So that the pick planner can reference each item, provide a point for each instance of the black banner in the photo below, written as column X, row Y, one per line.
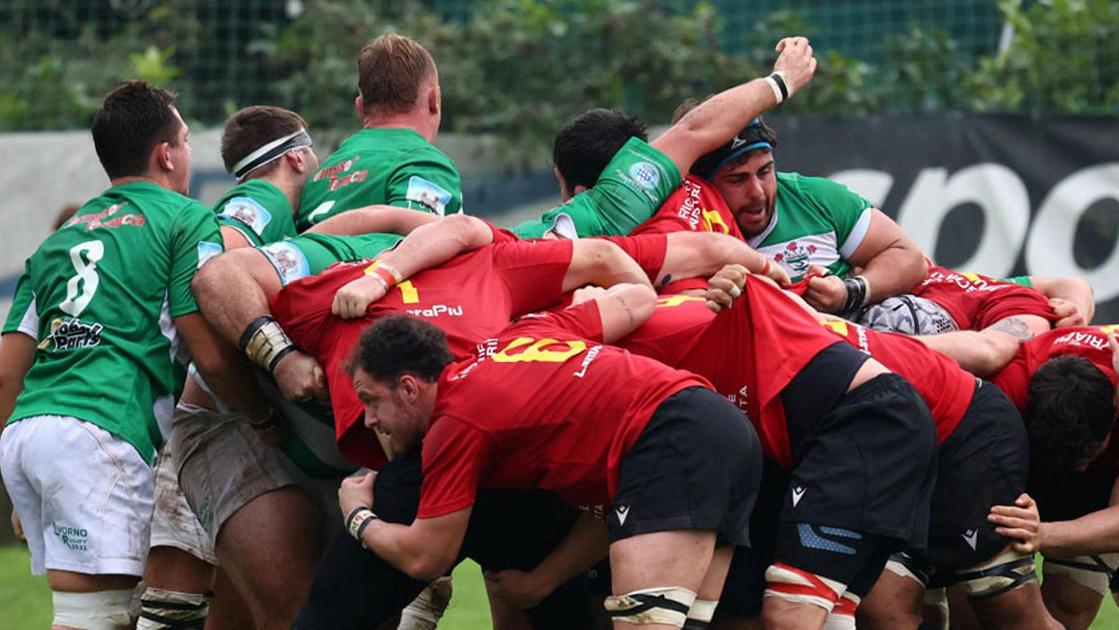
column 995, row 194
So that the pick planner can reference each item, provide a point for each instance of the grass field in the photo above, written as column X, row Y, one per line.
column 25, row 600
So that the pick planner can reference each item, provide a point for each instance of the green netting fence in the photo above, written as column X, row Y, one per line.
column 520, row 67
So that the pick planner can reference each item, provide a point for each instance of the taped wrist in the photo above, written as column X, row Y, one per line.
column 779, row 86
column 856, row 293
column 667, row 605
column 357, row 521
column 265, row 343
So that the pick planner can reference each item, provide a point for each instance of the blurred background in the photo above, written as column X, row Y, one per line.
column 987, row 129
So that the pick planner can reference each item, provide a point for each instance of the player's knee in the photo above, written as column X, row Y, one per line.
column 842, row 616
column 99, row 610
column 668, row 605
column 172, row 610
column 796, row 586
column 1090, row 572
column 1005, row 572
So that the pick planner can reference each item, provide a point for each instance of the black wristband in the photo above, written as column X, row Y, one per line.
column 856, row 293
column 251, row 329
column 365, row 524
column 780, row 85
column 354, row 512
column 279, row 355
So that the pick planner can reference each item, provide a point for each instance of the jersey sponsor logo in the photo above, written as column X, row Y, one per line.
column 207, row 250
column 437, row 310
column 102, row 220
column 967, row 281
column 247, row 211
column 587, row 360
column 336, row 177
column 69, row 334
column 75, row 538
column 428, row 194
column 741, row 399
column 288, row 260
column 645, row 174
column 796, row 256
column 1082, row 339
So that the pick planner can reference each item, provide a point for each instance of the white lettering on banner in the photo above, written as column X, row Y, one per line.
column 997, row 191
column 1050, row 246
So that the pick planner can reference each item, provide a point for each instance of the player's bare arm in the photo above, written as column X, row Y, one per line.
column 584, row 546
column 981, row 353
column 425, row 550
column 17, row 352
column 719, row 118
column 375, row 219
column 891, row 264
column 601, row 263
column 697, row 254
column 621, row 308
column 1024, row 327
column 428, row 245
column 1091, row 534
column 1071, row 296
column 222, row 368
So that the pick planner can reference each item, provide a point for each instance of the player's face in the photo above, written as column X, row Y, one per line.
column 389, row 410
column 180, row 157
column 750, row 190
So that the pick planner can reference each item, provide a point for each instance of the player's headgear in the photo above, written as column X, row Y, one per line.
column 757, row 135
column 271, row 152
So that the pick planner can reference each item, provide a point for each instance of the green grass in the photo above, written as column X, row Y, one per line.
column 25, row 600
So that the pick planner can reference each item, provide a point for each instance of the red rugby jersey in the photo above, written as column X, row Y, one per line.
column 550, row 408
column 695, row 206
column 749, row 352
column 946, row 388
column 975, row 301
column 1089, row 342
column 470, row 297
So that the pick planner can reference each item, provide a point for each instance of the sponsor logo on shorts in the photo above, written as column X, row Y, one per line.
column 438, row 310
column 645, row 174
column 428, row 194
column 205, row 514
column 622, row 511
column 971, row 537
column 207, row 250
column 75, row 538
column 68, row 334
column 247, row 211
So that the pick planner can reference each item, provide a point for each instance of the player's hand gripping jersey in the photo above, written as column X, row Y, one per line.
column 547, row 406
column 975, row 301
column 749, row 352
column 99, row 295
column 942, row 384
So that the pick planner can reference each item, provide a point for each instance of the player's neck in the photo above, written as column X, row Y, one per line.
column 292, row 187
column 415, row 120
column 161, row 182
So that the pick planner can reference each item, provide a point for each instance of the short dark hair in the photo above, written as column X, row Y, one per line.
column 390, row 70
column 398, row 345
column 1070, row 410
column 134, row 117
column 586, row 145
column 253, row 127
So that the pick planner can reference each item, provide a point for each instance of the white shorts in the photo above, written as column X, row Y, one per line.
column 84, row 496
column 174, row 523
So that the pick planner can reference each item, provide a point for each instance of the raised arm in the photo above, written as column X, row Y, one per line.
column 718, row 119
column 428, row 245
column 375, row 219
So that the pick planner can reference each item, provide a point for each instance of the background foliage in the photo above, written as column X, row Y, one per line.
column 520, row 68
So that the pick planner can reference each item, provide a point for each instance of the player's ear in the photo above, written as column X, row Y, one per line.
column 162, row 156
column 359, row 106
column 434, row 100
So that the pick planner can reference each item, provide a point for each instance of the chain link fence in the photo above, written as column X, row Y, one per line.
column 516, row 67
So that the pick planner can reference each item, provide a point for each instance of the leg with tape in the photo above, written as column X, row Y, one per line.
column 1004, row 593
column 795, row 598
column 172, row 610
column 1074, row 588
column 896, row 598
column 99, row 610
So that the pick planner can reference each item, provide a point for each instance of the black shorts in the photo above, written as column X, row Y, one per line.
column 696, row 465
column 866, row 465
column 355, row 589
column 984, row 462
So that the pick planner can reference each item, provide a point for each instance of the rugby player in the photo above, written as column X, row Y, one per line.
column 392, row 159
column 622, row 412
column 108, row 298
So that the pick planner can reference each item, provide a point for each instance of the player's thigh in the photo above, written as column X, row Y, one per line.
column 895, row 601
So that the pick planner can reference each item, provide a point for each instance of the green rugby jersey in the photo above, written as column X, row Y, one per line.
column 257, row 209
column 632, row 187
column 395, row 167
column 817, row 222
column 100, row 295
column 310, row 254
